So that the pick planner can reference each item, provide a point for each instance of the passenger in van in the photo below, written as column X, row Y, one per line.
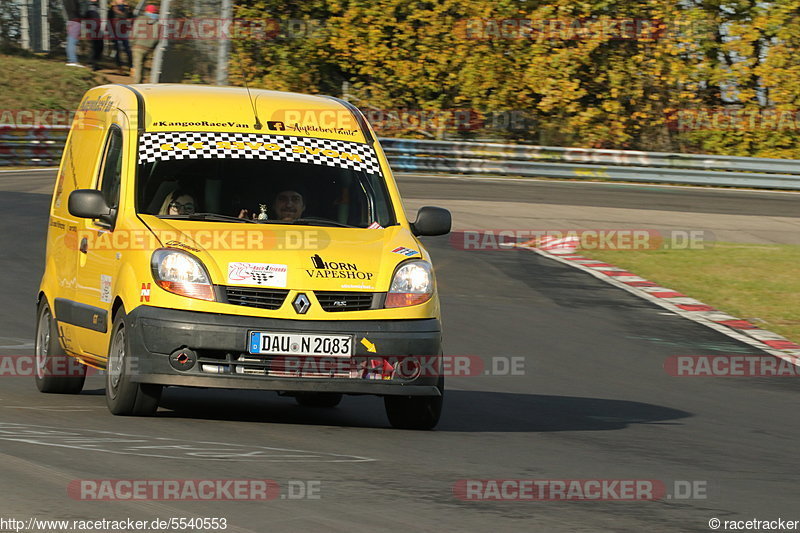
column 289, row 205
column 179, row 202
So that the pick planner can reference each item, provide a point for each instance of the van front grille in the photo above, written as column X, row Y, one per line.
column 332, row 301
column 256, row 297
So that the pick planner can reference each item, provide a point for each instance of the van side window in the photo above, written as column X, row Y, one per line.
column 112, row 168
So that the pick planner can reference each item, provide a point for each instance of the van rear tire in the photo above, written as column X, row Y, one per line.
column 123, row 396
column 56, row 372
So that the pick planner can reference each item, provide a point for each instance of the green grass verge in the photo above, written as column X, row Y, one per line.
column 759, row 283
column 35, row 83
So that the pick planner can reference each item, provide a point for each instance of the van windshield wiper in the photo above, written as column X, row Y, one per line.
column 212, row 216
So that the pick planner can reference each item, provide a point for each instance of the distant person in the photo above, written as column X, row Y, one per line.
column 75, row 12
column 144, row 36
column 119, row 25
column 95, row 32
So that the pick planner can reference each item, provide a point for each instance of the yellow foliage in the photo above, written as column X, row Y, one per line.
column 578, row 74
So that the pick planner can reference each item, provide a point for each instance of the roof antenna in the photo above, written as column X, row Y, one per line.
column 258, row 124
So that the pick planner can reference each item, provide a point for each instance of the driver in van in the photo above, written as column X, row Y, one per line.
column 288, row 206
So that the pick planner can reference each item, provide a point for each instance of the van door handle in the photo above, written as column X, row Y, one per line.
column 84, row 247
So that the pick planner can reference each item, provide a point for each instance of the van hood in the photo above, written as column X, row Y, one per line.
column 291, row 257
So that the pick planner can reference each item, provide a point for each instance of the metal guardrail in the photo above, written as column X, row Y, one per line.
column 38, row 146
column 521, row 152
column 623, row 165
column 42, row 146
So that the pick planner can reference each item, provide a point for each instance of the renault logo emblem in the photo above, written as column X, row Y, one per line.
column 301, row 304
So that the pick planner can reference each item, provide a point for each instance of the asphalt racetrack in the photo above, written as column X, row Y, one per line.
column 589, row 400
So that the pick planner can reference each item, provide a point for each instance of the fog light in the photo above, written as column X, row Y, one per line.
column 183, row 359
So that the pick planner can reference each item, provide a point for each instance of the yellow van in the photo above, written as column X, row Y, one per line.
column 219, row 237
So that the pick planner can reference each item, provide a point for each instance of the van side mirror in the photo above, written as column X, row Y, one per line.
column 89, row 203
column 432, row 221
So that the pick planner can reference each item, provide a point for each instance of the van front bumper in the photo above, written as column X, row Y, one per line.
column 154, row 334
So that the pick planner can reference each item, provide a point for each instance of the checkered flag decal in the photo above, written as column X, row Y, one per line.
column 261, row 277
column 162, row 146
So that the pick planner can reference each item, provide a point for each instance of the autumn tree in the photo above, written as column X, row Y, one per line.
column 656, row 74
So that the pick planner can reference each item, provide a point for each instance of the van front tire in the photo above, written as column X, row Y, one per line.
column 56, row 372
column 415, row 412
column 123, row 396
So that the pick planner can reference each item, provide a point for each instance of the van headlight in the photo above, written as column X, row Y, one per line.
column 412, row 284
column 181, row 273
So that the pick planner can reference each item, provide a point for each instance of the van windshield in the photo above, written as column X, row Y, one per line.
column 268, row 179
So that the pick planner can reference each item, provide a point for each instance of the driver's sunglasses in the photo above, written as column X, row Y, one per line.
column 184, row 209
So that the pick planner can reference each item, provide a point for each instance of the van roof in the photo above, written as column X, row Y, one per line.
column 175, row 107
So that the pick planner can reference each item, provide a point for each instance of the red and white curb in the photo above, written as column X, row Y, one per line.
column 742, row 330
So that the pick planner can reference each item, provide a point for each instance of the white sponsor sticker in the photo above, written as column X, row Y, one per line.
column 105, row 288
column 267, row 274
column 358, row 286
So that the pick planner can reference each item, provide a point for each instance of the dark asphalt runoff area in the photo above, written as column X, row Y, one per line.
column 590, row 400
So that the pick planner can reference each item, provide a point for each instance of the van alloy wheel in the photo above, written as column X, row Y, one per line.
column 124, row 396
column 56, row 372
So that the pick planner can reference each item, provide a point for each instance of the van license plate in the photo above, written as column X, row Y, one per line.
column 269, row 343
